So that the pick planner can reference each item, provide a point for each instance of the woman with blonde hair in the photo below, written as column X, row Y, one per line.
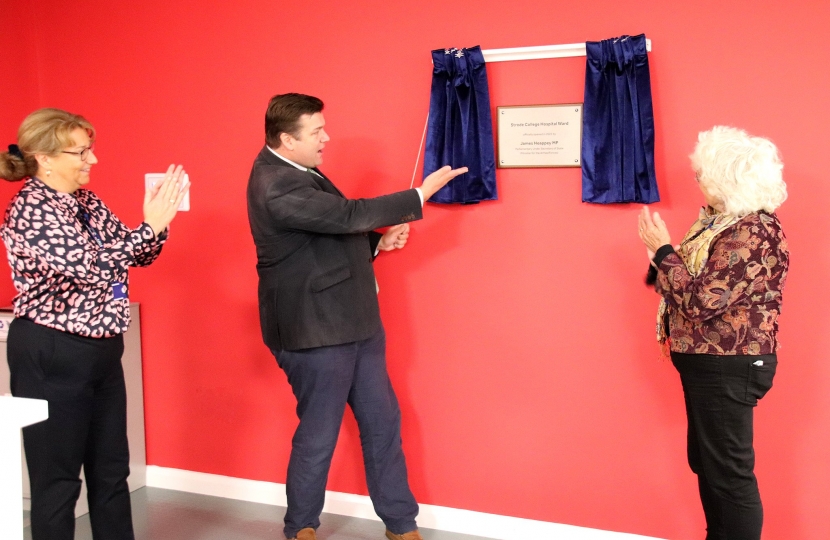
column 70, row 257
column 721, row 292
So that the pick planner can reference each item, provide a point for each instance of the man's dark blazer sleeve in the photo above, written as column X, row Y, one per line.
column 297, row 203
column 374, row 240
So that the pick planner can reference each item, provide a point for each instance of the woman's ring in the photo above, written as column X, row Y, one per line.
column 174, row 200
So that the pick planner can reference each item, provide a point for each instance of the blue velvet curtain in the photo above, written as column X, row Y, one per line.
column 460, row 128
column 618, row 123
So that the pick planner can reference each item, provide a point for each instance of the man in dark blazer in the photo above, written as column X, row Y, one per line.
column 319, row 311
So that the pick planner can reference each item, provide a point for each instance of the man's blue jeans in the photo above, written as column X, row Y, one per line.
column 324, row 380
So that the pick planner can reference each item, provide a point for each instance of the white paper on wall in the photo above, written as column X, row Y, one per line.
column 150, row 179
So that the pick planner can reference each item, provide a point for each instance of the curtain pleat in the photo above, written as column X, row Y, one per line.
column 460, row 127
column 618, row 123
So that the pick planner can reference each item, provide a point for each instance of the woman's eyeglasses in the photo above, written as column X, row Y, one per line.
column 81, row 154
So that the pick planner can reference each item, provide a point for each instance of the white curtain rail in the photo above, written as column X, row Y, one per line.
column 537, row 53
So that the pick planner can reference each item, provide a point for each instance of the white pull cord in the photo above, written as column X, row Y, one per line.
column 418, row 157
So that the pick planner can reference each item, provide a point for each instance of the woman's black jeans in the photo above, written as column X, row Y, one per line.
column 721, row 393
column 83, row 382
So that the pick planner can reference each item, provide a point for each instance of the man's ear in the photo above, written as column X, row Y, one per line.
column 287, row 141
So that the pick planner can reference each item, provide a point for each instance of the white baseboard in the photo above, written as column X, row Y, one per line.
column 360, row 506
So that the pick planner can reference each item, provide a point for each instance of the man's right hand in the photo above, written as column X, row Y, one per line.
column 439, row 179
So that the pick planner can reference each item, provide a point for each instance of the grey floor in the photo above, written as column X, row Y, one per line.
column 161, row 514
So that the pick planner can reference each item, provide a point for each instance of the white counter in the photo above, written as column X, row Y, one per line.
column 15, row 413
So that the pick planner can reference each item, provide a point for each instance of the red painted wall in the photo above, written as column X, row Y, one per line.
column 19, row 95
column 520, row 334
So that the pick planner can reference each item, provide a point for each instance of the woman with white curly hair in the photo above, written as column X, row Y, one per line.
column 721, row 294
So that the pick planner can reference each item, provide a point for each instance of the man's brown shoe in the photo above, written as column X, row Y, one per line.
column 305, row 534
column 411, row 535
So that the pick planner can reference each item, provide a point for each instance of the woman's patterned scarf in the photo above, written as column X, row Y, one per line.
column 694, row 252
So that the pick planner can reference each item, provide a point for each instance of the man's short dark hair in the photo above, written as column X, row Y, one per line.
column 283, row 115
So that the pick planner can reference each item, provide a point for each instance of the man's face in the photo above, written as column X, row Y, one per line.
column 307, row 149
